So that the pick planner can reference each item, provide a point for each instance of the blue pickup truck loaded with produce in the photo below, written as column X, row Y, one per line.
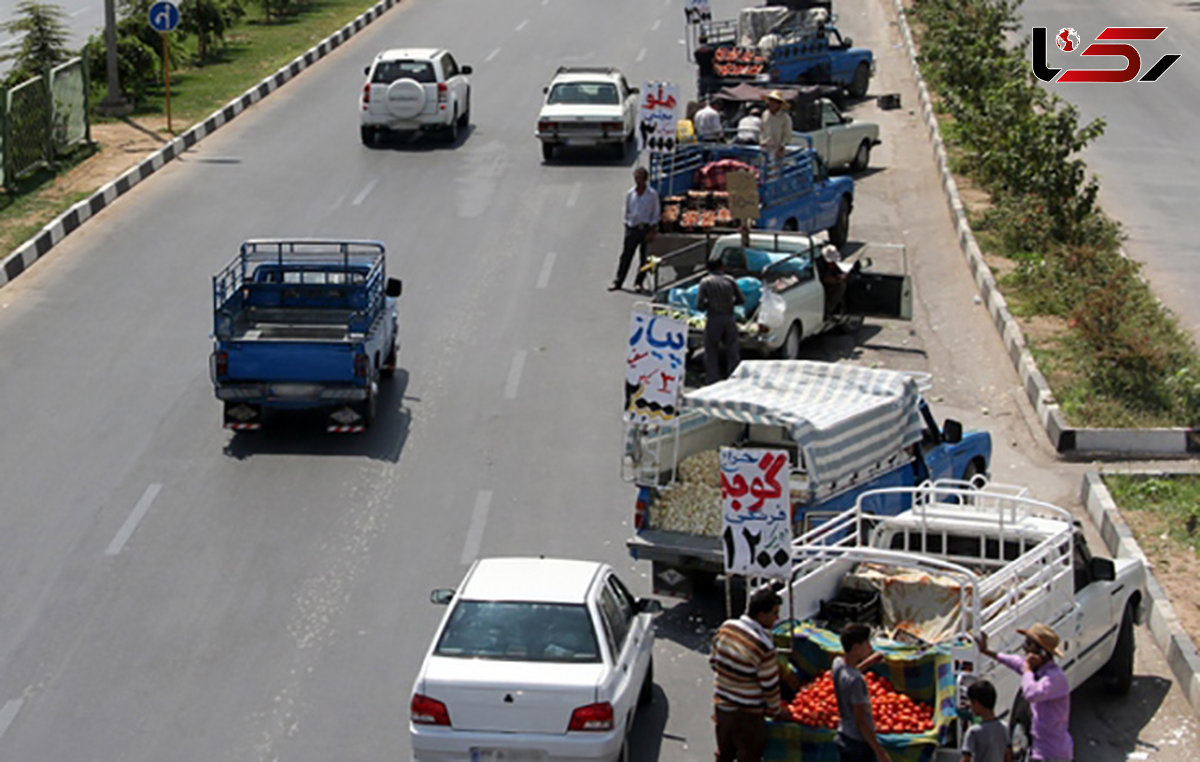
column 304, row 325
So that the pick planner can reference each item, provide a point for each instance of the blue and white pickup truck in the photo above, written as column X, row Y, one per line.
column 796, row 194
column 846, row 429
column 786, row 46
column 303, row 324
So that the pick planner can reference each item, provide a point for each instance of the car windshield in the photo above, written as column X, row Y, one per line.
column 592, row 93
column 387, row 72
column 520, row 631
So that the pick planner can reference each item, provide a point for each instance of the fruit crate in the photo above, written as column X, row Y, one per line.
column 923, row 674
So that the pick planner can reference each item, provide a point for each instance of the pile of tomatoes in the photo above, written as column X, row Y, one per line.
column 893, row 712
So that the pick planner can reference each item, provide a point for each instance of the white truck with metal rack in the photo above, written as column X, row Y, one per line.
column 964, row 561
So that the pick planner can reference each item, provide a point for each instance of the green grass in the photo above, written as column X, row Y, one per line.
column 32, row 203
column 1175, row 500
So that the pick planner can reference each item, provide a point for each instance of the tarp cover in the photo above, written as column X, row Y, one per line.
column 844, row 418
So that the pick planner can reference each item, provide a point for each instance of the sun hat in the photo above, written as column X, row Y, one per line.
column 831, row 253
column 775, row 95
column 1044, row 636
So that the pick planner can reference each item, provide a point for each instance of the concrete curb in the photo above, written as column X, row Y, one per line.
column 1066, row 440
column 1168, row 633
column 23, row 257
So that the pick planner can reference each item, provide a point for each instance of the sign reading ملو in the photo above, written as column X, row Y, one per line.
column 658, row 113
column 654, row 367
column 755, row 496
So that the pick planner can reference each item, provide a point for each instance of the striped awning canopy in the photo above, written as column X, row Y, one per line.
column 844, row 418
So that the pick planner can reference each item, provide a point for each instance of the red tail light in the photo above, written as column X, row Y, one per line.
column 592, row 717
column 427, row 711
column 547, row 126
column 366, row 99
column 639, row 514
column 362, row 363
column 221, row 364
column 443, row 94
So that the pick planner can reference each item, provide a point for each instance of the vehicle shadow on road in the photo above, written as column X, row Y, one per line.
column 304, row 433
column 422, row 143
column 692, row 623
column 646, row 736
column 1114, row 723
column 568, row 157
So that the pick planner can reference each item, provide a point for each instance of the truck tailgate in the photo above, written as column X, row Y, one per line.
column 313, row 362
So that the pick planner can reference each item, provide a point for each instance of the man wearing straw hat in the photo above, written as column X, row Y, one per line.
column 1045, row 687
column 776, row 125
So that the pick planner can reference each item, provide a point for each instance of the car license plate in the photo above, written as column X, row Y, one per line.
column 295, row 390
column 506, row 755
column 580, row 141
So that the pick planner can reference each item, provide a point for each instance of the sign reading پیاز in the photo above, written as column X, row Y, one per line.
column 743, row 195
column 654, row 368
column 657, row 114
column 757, row 512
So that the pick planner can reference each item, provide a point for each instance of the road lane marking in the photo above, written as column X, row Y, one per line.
column 76, row 13
column 544, row 276
column 9, row 713
column 520, row 26
column 641, row 54
column 341, row 200
column 657, row 23
column 514, row 375
column 135, row 516
column 362, row 194
column 475, row 529
column 492, row 55
column 574, row 194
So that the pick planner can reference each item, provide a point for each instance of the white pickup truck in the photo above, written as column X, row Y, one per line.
column 837, row 138
column 963, row 561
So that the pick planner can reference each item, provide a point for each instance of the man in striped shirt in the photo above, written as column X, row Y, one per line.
column 747, row 679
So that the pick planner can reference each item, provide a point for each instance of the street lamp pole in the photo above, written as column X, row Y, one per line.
column 114, row 104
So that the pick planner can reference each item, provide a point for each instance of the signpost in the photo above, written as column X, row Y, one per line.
column 755, row 494
column 654, row 368
column 164, row 17
column 657, row 115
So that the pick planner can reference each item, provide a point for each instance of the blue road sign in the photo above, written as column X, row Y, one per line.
column 164, row 16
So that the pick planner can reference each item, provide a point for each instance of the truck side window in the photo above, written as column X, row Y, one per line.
column 1081, row 565
column 610, row 609
column 449, row 66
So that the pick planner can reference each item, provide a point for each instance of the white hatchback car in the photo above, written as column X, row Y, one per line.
column 536, row 660
column 587, row 106
column 415, row 89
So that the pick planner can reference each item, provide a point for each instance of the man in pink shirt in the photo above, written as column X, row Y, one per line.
column 1044, row 685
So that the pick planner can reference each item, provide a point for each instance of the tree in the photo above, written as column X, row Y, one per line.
column 208, row 20
column 44, row 43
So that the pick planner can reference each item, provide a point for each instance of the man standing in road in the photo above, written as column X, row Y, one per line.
column 708, row 123
column 746, row 684
column 717, row 296
column 642, row 211
column 776, row 126
column 856, row 738
column 1044, row 685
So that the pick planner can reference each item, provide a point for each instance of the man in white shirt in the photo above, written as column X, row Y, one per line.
column 708, row 123
column 776, row 126
column 749, row 127
column 642, row 212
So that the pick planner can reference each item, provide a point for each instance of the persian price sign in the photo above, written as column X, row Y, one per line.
column 654, row 368
column 695, row 11
column 658, row 113
column 743, row 195
column 757, row 512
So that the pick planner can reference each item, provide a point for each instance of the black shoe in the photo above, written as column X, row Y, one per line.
column 614, row 286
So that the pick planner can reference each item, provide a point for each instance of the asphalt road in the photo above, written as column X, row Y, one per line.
column 1147, row 160
column 172, row 591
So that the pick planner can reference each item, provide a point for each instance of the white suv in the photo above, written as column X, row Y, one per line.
column 587, row 106
column 415, row 89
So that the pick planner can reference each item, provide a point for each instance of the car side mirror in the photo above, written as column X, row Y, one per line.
column 394, row 287
column 366, row 70
column 634, row 91
column 1103, row 569
column 466, row 70
column 545, row 89
column 847, row 119
column 441, row 596
column 951, row 431
column 649, row 606
column 847, row 42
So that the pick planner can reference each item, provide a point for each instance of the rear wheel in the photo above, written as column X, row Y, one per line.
column 862, row 157
column 368, row 135
column 389, row 365
column 547, row 151
column 1118, row 672
column 791, row 225
column 862, row 76
column 790, row 350
column 841, row 229
column 452, row 130
column 647, row 692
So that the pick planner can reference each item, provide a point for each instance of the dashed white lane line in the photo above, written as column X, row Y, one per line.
column 514, row 375
column 641, row 54
column 492, row 55
column 474, row 540
column 362, row 194
column 135, row 517
column 657, row 23
column 76, row 13
column 544, row 276
column 8, row 713
column 520, row 26
column 573, row 196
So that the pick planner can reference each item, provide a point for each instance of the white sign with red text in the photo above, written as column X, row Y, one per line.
column 757, row 534
column 658, row 113
column 654, row 368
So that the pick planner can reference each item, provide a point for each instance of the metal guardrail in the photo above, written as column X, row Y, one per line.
column 42, row 118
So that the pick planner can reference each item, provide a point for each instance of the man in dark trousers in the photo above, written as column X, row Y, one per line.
column 642, row 211
column 718, row 295
column 706, row 76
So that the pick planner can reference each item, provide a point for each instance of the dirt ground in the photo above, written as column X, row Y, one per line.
column 1176, row 566
column 123, row 143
